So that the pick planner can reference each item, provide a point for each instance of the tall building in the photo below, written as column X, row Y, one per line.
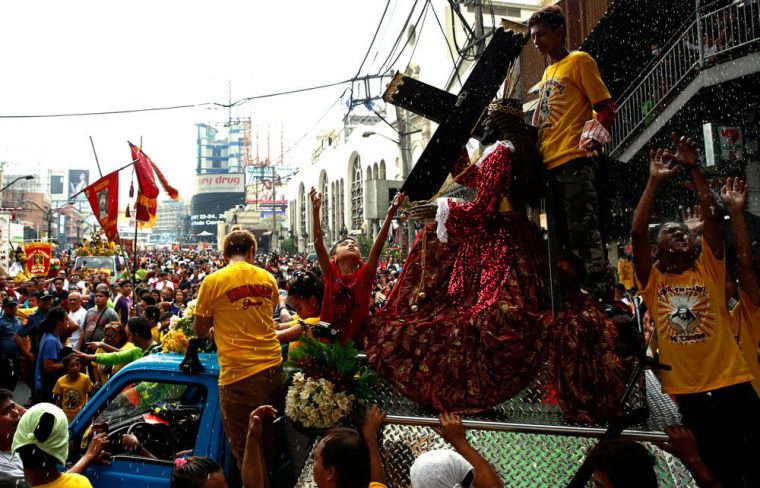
column 219, row 180
column 171, row 222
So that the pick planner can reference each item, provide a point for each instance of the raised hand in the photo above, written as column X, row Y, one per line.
column 398, row 200
column 693, row 219
column 451, row 428
column 686, row 150
column 256, row 421
column 316, row 199
column 661, row 165
column 370, row 425
column 734, row 194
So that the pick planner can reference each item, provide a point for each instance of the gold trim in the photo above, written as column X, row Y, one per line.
column 505, row 205
column 515, row 27
column 392, row 90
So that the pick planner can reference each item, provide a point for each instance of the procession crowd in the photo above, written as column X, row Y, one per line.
column 463, row 324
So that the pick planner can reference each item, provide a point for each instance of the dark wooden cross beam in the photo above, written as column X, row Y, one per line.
column 458, row 116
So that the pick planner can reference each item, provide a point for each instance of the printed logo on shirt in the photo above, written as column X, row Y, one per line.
column 249, row 291
column 552, row 104
column 72, row 399
column 685, row 312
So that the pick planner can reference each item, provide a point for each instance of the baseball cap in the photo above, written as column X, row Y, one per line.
column 9, row 300
column 44, row 294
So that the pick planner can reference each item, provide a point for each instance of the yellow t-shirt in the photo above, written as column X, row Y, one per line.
column 294, row 344
column 375, row 484
column 569, row 89
column 241, row 299
column 693, row 327
column 73, row 393
column 625, row 273
column 746, row 329
column 68, row 480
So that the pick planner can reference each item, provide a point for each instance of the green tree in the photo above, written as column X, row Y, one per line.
column 289, row 246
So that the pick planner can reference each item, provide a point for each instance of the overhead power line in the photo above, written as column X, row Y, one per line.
column 179, row 107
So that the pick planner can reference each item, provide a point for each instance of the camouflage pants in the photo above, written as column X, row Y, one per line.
column 576, row 218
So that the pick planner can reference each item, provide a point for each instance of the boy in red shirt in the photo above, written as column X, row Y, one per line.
column 348, row 280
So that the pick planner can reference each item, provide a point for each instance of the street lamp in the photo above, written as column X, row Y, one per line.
column 372, row 133
column 27, row 177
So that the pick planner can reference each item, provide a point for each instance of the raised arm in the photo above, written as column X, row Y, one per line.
column 377, row 247
column 686, row 155
column 369, row 428
column 453, row 431
column 660, row 168
column 734, row 194
column 316, row 231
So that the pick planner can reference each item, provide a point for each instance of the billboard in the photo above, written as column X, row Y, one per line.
column 207, row 211
column 57, row 182
column 723, row 144
column 79, row 179
column 218, row 183
column 259, row 181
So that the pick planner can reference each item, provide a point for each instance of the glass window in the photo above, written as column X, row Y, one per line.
column 152, row 420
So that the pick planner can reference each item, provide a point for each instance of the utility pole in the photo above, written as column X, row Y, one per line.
column 481, row 43
column 274, row 211
column 402, row 116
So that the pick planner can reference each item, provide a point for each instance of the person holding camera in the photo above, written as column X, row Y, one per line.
column 240, row 299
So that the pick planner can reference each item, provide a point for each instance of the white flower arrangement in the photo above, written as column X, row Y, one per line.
column 329, row 385
column 315, row 403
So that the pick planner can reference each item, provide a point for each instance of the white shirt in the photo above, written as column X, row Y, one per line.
column 78, row 316
column 10, row 469
column 161, row 284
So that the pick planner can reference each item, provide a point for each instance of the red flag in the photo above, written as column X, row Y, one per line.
column 144, row 170
column 167, row 188
column 145, row 206
column 103, row 196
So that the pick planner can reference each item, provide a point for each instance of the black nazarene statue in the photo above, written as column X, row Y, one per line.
column 469, row 324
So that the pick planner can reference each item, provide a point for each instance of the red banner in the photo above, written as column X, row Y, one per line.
column 145, row 206
column 38, row 257
column 103, row 196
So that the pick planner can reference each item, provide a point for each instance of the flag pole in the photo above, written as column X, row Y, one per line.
column 96, row 157
column 134, row 243
column 118, row 236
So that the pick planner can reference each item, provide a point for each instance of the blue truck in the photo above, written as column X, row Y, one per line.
column 171, row 413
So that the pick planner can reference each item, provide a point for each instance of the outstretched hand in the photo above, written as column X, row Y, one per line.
column 693, row 219
column 256, row 421
column 451, row 429
column 682, row 443
column 375, row 416
column 686, row 150
column 316, row 199
column 734, row 194
column 398, row 200
column 661, row 165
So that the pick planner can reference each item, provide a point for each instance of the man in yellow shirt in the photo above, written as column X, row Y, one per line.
column 745, row 316
column 569, row 136
column 686, row 297
column 240, row 299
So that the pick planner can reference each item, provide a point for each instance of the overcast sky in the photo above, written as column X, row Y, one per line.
column 72, row 57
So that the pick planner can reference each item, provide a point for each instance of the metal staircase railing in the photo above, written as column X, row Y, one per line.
column 712, row 34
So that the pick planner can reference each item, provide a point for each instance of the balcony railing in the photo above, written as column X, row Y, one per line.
column 712, row 34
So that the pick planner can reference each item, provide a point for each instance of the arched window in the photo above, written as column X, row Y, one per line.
column 342, row 210
column 369, row 172
column 357, row 195
column 375, row 173
column 302, row 194
column 381, row 176
column 325, row 218
column 335, row 202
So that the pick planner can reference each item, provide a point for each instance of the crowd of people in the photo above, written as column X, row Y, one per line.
column 464, row 323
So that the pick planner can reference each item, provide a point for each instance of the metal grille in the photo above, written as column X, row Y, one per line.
column 508, row 437
column 357, row 195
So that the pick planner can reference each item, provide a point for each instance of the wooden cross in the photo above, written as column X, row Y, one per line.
column 459, row 115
